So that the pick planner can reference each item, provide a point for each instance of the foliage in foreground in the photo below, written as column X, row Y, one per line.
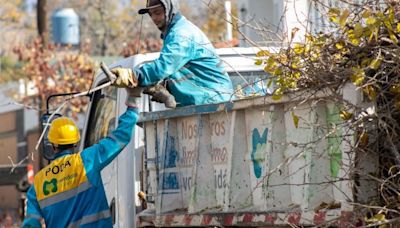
column 362, row 48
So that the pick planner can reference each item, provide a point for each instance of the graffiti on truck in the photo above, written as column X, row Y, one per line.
column 219, row 152
column 187, row 183
column 259, row 150
column 219, row 155
column 191, row 131
column 170, row 180
column 220, row 180
column 188, row 152
column 171, row 154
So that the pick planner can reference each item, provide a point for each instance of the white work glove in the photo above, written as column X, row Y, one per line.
column 126, row 78
column 133, row 97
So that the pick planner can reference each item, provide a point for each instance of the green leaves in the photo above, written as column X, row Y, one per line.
column 362, row 47
column 358, row 30
column 339, row 45
column 259, row 62
column 352, row 51
column 345, row 115
column 333, row 15
column 343, row 17
column 277, row 94
column 370, row 91
column 298, row 48
column 366, row 13
column 376, row 63
column 295, row 120
column 358, row 76
column 378, row 218
column 263, row 53
column 370, row 20
column 393, row 38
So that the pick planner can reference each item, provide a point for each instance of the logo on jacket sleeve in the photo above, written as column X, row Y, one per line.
column 50, row 186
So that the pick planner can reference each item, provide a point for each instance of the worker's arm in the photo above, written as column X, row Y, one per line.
column 101, row 154
column 33, row 213
column 175, row 53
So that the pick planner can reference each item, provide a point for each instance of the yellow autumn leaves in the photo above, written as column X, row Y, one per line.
column 354, row 46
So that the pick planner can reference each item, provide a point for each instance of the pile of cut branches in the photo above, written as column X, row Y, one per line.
column 362, row 47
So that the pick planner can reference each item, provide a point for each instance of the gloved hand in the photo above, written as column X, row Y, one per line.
column 160, row 94
column 133, row 97
column 126, row 78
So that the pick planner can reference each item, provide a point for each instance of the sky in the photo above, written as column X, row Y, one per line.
column 30, row 5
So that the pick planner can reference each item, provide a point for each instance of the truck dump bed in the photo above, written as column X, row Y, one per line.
column 251, row 162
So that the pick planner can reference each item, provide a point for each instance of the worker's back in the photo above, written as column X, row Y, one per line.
column 204, row 75
column 69, row 193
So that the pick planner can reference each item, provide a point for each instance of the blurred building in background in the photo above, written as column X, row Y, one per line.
column 18, row 137
column 271, row 22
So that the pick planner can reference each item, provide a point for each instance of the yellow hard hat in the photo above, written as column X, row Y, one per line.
column 63, row 131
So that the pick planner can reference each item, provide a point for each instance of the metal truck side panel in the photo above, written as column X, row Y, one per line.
column 254, row 161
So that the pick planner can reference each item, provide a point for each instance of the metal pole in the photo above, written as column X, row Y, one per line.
column 228, row 11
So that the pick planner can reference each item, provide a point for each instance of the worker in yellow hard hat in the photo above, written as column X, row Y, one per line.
column 69, row 191
column 63, row 131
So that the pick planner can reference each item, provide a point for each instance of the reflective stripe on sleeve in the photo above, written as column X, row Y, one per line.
column 64, row 195
column 90, row 218
column 34, row 216
column 113, row 137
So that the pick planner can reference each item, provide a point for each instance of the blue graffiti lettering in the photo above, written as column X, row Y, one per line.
column 171, row 154
column 259, row 151
column 170, row 181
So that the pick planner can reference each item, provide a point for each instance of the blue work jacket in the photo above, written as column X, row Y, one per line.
column 188, row 63
column 69, row 191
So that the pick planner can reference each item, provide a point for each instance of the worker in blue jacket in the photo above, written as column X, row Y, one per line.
column 69, row 191
column 188, row 65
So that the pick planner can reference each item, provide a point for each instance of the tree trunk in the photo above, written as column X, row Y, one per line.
column 42, row 19
column 42, row 31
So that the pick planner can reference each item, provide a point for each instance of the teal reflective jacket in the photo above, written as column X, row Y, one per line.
column 188, row 63
column 69, row 191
